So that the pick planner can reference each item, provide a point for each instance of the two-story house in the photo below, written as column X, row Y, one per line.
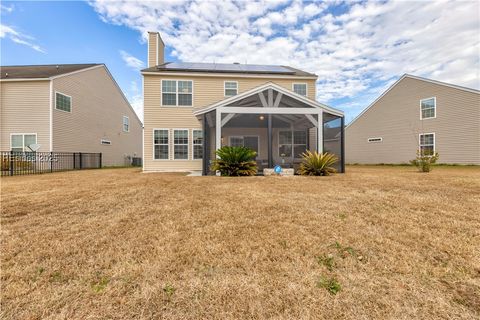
column 417, row 114
column 193, row 109
column 67, row 108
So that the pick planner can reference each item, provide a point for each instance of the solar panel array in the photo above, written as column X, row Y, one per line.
column 226, row 67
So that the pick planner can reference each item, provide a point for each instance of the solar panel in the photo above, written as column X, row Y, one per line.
column 227, row 67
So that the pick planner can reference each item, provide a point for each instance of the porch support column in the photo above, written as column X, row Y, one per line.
column 206, row 140
column 269, row 136
column 320, row 132
column 218, row 133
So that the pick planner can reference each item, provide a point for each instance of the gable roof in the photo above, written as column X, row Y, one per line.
column 203, row 67
column 261, row 88
column 41, row 71
column 416, row 78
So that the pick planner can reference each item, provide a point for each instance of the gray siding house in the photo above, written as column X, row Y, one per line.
column 417, row 113
column 67, row 108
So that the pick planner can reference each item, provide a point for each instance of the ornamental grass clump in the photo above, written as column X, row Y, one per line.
column 235, row 161
column 317, row 164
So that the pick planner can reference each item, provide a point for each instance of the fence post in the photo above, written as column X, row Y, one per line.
column 81, row 164
column 11, row 162
column 73, row 154
column 100, row 161
column 51, row 161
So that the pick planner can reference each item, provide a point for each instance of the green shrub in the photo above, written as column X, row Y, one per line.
column 424, row 162
column 327, row 260
column 330, row 284
column 235, row 161
column 317, row 164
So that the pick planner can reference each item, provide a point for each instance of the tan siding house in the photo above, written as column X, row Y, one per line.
column 177, row 95
column 69, row 108
column 417, row 113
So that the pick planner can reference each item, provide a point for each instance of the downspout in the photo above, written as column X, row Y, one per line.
column 343, row 144
column 50, row 115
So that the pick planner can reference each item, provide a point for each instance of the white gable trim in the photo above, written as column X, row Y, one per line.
column 412, row 77
column 259, row 89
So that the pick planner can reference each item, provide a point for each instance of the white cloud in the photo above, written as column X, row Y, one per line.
column 136, row 99
column 7, row 9
column 10, row 33
column 131, row 61
column 354, row 50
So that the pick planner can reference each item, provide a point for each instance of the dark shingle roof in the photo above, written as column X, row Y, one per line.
column 228, row 68
column 41, row 71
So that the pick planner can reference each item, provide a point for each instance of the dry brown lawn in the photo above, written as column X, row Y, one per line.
column 119, row 244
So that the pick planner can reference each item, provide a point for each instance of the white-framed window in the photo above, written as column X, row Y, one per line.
column 230, row 88
column 160, row 144
column 197, row 144
column 288, row 142
column 126, row 124
column 177, row 93
column 105, row 142
column 300, row 88
column 251, row 142
column 427, row 143
column 63, row 102
column 428, row 108
column 180, row 144
column 376, row 139
column 20, row 142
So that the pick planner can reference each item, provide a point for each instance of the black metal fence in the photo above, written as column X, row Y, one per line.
column 22, row 163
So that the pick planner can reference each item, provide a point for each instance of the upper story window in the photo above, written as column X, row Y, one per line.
column 231, row 88
column 427, row 144
column 20, row 142
column 428, row 108
column 63, row 102
column 300, row 88
column 126, row 124
column 177, row 93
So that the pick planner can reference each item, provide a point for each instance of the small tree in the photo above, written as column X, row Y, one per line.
column 424, row 161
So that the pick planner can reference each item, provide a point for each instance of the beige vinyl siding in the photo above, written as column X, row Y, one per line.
column 97, row 111
column 25, row 109
column 396, row 119
column 206, row 91
column 152, row 49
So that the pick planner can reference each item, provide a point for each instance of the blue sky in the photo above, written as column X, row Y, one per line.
column 356, row 49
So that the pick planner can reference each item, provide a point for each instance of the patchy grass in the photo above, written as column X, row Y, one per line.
column 115, row 243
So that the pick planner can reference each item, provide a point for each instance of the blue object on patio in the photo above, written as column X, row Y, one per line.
column 277, row 169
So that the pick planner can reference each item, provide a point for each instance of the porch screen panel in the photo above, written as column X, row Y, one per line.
column 209, row 128
column 333, row 138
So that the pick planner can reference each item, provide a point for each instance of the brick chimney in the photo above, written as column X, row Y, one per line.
column 156, row 49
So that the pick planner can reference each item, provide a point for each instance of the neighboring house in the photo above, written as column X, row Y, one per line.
column 68, row 108
column 192, row 109
column 417, row 113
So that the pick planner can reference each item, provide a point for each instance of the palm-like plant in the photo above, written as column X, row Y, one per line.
column 317, row 164
column 235, row 161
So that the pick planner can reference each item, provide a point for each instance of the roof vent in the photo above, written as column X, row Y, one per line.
column 236, row 63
